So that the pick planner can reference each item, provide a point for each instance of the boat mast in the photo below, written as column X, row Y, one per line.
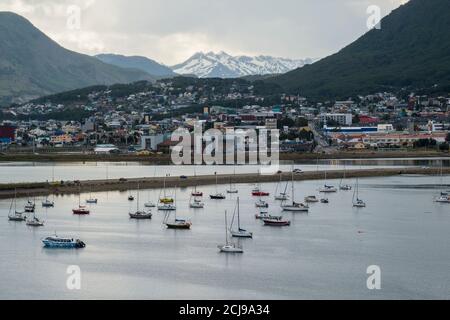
column 292, row 173
column 226, row 227
column 239, row 218
column 137, row 202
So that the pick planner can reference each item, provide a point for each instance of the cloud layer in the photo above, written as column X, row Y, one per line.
column 171, row 30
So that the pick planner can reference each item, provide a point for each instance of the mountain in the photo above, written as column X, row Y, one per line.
column 412, row 49
column 223, row 65
column 32, row 65
column 136, row 62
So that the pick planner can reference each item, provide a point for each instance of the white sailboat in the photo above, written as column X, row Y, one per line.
column 239, row 233
column 91, row 200
column 35, row 221
column 168, row 206
column 342, row 186
column 444, row 197
column 294, row 206
column 140, row 214
column 282, row 196
column 327, row 188
column 229, row 247
column 15, row 215
column 357, row 202
column 232, row 189
column 196, row 203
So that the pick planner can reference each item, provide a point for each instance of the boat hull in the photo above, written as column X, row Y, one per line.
column 272, row 223
column 184, row 226
column 230, row 249
column 217, row 197
column 80, row 212
column 140, row 216
column 17, row 219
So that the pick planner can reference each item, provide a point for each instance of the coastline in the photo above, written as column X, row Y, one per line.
column 165, row 159
column 8, row 191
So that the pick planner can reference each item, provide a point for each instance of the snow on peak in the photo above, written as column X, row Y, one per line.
column 223, row 65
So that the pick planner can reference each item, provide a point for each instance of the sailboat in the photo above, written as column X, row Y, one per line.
column 168, row 205
column 327, row 188
column 444, row 197
column 357, row 202
column 140, row 214
column 342, row 186
column 232, row 189
column 283, row 196
column 276, row 221
column 196, row 193
column 14, row 215
column 81, row 210
column 311, row 199
column 294, row 206
column 149, row 203
column 177, row 223
column 217, row 195
column 30, row 206
column 91, row 200
column 196, row 203
column 263, row 214
column 47, row 203
column 165, row 199
column 229, row 247
column 240, row 233
column 35, row 221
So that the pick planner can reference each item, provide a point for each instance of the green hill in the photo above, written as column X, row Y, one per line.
column 32, row 65
column 136, row 62
column 412, row 50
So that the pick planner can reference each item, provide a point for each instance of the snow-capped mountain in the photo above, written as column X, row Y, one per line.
column 223, row 65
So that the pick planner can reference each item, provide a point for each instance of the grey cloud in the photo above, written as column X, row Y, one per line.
column 171, row 30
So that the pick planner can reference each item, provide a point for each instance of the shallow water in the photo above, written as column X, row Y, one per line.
column 11, row 172
column 322, row 255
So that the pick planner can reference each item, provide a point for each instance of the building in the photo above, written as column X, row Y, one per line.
column 271, row 124
column 343, row 119
column 357, row 130
column 151, row 142
column 400, row 139
column 105, row 149
column 7, row 134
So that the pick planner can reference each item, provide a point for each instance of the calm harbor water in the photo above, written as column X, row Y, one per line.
column 323, row 254
column 11, row 172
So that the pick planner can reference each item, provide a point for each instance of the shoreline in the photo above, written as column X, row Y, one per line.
column 8, row 191
column 166, row 159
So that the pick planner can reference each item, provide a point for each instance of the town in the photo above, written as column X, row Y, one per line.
column 139, row 118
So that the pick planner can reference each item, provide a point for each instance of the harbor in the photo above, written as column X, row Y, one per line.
column 74, row 186
column 330, row 246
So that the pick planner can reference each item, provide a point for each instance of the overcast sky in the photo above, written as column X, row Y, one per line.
column 170, row 31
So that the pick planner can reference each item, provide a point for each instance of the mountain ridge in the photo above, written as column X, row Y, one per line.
column 32, row 64
column 411, row 50
column 223, row 65
column 137, row 62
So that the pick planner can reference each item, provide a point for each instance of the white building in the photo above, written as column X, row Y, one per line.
column 344, row 119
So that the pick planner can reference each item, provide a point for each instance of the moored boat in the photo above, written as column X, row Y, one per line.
column 63, row 243
column 179, row 224
column 239, row 233
column 276, row 222
column 229, row 247
column 311, row 199
column 47, row 203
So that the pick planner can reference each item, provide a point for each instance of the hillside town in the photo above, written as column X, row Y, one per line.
column 140, row 118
